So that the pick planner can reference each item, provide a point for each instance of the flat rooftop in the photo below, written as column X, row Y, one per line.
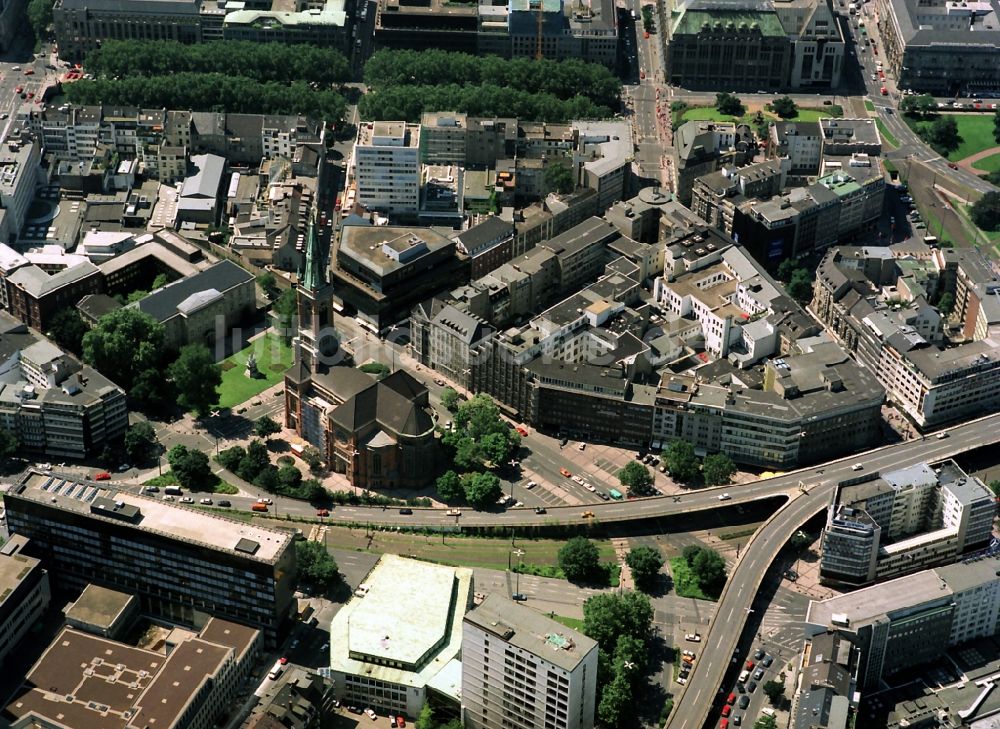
column 99, row 606
column 526, row 628
column 411, row 617
column 158, row 517
column 13, row 569
column 863, row 606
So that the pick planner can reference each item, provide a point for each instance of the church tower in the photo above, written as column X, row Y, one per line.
column 316, row 338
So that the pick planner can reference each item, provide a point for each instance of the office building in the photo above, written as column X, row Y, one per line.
column 913, row 620
column 904, row 520
column 521, row 668
column 184, row 564
column 936, row 369
column 86, row 681
column 80, row 27
column 826, row 694
column 198, row 201
column 204, row 307
column 381, row 271
column 24, row 594
column 704, row 147
column 19, row 168
column 386, row 166
column 389, row 652
column 103, row 612
column 941, row 48
column 55, row 406
column 749, row 46
column 521, row 29
column 35, row 295
column 800, row 142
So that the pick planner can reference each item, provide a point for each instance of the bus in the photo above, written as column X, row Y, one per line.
column 615, row 494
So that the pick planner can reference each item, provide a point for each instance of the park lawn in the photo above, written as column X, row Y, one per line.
column 710, row 113
column 451, row 549
column 869, row 105
column 273, row 358
column 807, row 115
column 573, row 623
column 975, row 130
column 685, row 583
column 988, row 164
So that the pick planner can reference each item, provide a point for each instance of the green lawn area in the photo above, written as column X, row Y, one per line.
column 988, row 164
column 569, row 622
column 218, row 486
column 484, row 552
column 869, row 105
column 685, row 583
column 963, row 211
column 710, row 113
column 887, row 136
column 273, row 358
column 976, row 131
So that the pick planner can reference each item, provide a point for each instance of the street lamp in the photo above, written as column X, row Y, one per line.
column 517, row 575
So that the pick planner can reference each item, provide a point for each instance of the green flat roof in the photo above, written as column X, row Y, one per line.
column 692, row 21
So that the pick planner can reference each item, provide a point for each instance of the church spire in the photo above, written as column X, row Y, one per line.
column 312, row 277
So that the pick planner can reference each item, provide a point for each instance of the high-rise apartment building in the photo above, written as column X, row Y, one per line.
column 184, row 564
column 24, row 593
column 521, row 670
column 912, row 620
column 905, row 520
column 387, row 167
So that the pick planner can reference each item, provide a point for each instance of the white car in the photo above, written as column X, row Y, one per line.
column 371, row 714
column 724, row 497
column 530, row 485
column 187, row 500
column 168, row 497
column 577, row 479
column 264, row 500
column 590, row 488
column 857, row 467
column 206, row 502
column 693, row 637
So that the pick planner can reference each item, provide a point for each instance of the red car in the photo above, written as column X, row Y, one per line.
column 565, row 473
column 522, row 430
column 400, row 721
column 726, row 709
column 724, row 724
column 750, row 665
column 283, row 661
column 953, row 165
column 731, row 699
column 18, row 89
column 322, row 512
column 102, row 476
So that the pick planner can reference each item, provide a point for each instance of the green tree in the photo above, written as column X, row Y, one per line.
column 254, row 461
column 945, row 304
column 196, row 376
column 8, row 444
column 995, row 487
column 615, row 706
column 467, row 453
column 313, row 458
column 680, row 460
column 482, row 489
column 690, row 552
column 378, row 369
column 636, row 478
column 160, row 281
column 316, row 567
column 985, row 211
column 579, row 559
column 480, row 435
column 231, row 458
column 766, row 722
column 608, row 615
column 800, row 540
column 645, row 563
column 190, row 467
column 40, row 17
column 559, row 177
column 450, row 399
column 124, row 343
column 495, row 448
column 268, row 479
column 266, row 427
column 729, row 104
column 285, row 309
column 153, row 391
column 800, row 286
column 787, row 268
column 942, row 134
column 775, row 691
column 425, row 719
column 718, row 469
column 140, row 442
column 269, row 285
column 68, row 328
column 449, row 487
column 784, row 107
column 290, row 478
column 710, row 569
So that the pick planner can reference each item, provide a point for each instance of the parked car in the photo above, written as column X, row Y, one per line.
column 225, row 503
column 565, row 473
column 102, row 476
column 522, row 431
column 744, row 701
column 768, row 660
column 187, row 500
column 758, row 674
column 758, row 654
column 519, row 597
column 693, row 637
column 206, row 502
column 371, row 714
column 151, row 489
column 540, row 510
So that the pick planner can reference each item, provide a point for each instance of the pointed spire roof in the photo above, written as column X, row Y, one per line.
column 312, row 275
